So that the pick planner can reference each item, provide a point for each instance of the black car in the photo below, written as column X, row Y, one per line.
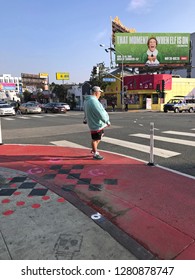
column 54, row 107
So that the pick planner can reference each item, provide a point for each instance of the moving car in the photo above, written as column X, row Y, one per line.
column 66, row 106
column 6, row 109
column 54, row 107
column 29, row 108
column 37, row 104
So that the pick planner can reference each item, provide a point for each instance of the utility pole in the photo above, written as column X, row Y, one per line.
column 110, row 49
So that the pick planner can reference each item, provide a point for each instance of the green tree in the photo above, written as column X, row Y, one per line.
column 27, row 95
column 97, row 79
column 59, row 91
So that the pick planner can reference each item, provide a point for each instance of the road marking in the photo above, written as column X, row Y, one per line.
column 8, row 119
column 142, row 148
column 179, row 133
column 166, row 139
column 37, row 116
column 64, row 143
column 51, row 115
column 22, row 117
column 40, row 116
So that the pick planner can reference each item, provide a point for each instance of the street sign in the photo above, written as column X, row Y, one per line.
column 111, row 80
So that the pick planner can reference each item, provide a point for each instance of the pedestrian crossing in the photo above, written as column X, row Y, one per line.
column 132, row 145
column 35, row 116
column 178, row 138
column 41, row 116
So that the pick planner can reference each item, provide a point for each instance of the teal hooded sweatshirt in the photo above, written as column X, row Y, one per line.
column 96, row 116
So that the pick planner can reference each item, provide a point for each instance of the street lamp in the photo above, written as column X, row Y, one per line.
column 108, row 49
column 122, row 71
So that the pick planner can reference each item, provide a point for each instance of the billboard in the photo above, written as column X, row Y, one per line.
column 43, row 75
column 62, row 76
column 152, row 49
column 7, row 86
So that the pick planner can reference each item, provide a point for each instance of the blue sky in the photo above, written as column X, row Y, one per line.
column 47, row 36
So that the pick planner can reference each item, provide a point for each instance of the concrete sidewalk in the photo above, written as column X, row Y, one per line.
column 59, row 203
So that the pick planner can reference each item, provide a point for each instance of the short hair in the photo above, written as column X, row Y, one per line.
column 154, row 38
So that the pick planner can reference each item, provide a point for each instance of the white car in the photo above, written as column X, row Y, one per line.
column 6, row 109
column 66, row 106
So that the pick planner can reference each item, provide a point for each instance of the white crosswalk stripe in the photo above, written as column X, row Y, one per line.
column 52, row 115
column 37, row 116
column 64, row 143
column 166, row 139
column 8, row 119
column 139, row 147
column 23, row 117
column 179, row 133
column 28, row 117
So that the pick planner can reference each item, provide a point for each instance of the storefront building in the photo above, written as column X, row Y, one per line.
column 147, row 91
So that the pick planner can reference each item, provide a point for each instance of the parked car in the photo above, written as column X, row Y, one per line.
column 54, row 107
column 66, row 105
column 29, row 108
column 6, row 109
column 178, row 105
column 169, row 106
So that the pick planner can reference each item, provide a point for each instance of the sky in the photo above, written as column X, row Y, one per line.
column 48, row 36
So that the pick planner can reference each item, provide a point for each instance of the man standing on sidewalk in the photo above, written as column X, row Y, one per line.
column 97, row 119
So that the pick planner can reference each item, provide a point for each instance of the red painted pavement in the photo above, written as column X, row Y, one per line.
column 154, row 206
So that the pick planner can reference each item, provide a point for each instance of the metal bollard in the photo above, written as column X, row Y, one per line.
column 0, row 133
column 151, row 162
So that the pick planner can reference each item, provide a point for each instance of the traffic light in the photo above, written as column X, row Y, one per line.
column 95, row 70
column 163, row 85
column 158, row 88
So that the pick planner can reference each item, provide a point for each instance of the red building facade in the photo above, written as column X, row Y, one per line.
column 148, row 82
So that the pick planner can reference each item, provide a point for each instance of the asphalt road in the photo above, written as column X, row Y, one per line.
column 174, row 135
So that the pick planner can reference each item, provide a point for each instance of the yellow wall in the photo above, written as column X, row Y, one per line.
column 115, row 89
column 180, row 86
